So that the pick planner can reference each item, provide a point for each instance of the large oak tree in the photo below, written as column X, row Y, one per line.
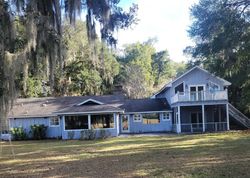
column 43, row 36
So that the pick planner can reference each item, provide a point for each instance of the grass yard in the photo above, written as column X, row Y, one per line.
column 202, row 155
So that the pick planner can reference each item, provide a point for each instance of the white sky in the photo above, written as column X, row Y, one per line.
column 167, row 20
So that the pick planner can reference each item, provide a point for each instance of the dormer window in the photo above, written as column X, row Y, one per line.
column 90, row 102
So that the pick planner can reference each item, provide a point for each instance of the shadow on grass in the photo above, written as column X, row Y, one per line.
column 177, row 156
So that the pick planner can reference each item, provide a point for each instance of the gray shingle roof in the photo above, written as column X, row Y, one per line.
column 144, row 105
column 42, row 107
column 89, row 109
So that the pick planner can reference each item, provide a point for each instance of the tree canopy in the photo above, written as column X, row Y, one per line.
column 45, row 50
column 41, row 45
column 86, row 75
column 221, row 32
column 144, row 70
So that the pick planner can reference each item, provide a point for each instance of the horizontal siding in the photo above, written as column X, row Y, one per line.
column 196, row 77
column 52, row 132
column 139, row 127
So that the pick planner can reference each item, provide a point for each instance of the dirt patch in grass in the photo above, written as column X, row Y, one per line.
column 205, row 155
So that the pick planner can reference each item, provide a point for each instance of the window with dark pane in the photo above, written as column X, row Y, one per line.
column 179, row 88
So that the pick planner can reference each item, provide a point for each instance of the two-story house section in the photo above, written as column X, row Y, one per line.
column 199, row 101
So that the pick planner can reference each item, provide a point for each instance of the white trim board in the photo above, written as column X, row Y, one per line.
column 33, row 117
column 90, row 112
column 145, row 112
column 199, row 103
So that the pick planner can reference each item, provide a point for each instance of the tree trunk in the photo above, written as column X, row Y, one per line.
column 51, row 74
column 25, row 76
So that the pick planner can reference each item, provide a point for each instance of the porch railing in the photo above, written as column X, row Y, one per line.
column 198, row 127
column 199, row 96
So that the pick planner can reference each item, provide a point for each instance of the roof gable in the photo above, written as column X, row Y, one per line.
column 225, row 83
column 90, row 102
column 169, row 85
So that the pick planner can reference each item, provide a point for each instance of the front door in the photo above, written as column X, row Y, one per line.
column 197, row 93
column 125, row 123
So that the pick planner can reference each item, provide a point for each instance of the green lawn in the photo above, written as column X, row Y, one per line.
column 201, row 155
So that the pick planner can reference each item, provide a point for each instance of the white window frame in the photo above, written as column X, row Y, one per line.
column 102, row 128
column 158, row 114
column 196, row 86
column 75, row 130
column 209, row 87
column 89, row 123
column 51, row 119
column 166, row 116
column 184, row 88
column 138, row 116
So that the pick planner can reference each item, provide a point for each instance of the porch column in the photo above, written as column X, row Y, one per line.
column 228, row 127
column 89, row 122
column 116, row 115
column 63, row 122
column 203, row 118
column 179, row 120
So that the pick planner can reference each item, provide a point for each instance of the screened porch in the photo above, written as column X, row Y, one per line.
column 206, row 118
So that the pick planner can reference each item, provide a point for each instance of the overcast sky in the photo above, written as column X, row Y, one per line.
column 167, row 20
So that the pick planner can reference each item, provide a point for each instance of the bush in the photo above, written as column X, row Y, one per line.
column 83, row 135
column 88, row 134
column 18, row 133
column 71, row 135
column 91, row 134
column 38, row 132
column 104, row 133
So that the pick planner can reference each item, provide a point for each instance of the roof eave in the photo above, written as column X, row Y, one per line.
column 31, row 116
column 89, row 112
column 148, row 111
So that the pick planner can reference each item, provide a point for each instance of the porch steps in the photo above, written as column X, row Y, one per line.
column 238, row 116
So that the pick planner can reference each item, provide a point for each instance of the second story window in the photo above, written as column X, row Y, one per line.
column 179, row 88
column 213, row 87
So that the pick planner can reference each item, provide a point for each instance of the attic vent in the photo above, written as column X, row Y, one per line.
column 90, row 103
